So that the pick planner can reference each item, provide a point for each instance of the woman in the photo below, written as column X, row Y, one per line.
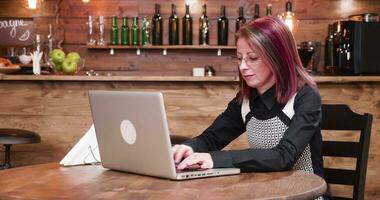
column 278, row 105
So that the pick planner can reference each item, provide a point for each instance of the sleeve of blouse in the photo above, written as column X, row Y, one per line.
column 304, row 124
column 226, row 127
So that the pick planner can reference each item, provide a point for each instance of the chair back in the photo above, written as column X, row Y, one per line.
column 341, row 117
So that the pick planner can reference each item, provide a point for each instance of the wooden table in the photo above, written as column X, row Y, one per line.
column 50, row 181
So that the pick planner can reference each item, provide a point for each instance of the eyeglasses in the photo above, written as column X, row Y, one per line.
column 249, row 59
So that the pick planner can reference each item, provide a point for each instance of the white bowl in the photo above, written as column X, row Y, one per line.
column 24, row 59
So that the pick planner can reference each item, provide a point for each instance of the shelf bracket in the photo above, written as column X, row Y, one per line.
column 138, row 52
column 164, row 52
column 219, row 52
column 112, row 52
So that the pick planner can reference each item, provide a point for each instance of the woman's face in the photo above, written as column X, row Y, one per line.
column 252, row 68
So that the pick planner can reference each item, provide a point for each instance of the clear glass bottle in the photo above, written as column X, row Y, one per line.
column 157, row 27
column 173, row 27
column 91, row 30
column 146, row 32
column 204, row 27
column 114, row 31
column 125, row 32
column 223, row 27
column 187, row 28
column 135, row 31
column 49, row 44
column 240, row 20
column 102, row 28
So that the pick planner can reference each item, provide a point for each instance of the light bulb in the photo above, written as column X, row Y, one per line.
column 32, row 4
column 85, row 1
column 288, row 17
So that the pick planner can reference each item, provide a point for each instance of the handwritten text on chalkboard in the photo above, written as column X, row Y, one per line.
column 16, row 31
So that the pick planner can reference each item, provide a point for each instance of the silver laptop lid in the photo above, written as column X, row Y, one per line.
column 132, row 131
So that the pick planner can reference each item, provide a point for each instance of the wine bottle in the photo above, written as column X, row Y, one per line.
column 173, row 27
column 269, row 10
column 157, row 27
column 223, row 27
column 329, row 48
column 240, row 20
column 146, row 31
column 204, row 27
column 338, row 46
column 187, row 28
column 257, row 12
column 135, row 31
column 114, row 31
column 125, row 32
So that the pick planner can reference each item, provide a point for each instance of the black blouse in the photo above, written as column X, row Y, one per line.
column 303, row 129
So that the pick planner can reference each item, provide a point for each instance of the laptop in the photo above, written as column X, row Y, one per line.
column 133, row 135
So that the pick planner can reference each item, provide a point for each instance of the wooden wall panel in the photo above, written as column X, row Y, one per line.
column 313, row 19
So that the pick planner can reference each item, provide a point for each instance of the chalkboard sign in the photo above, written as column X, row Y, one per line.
column 16, row 32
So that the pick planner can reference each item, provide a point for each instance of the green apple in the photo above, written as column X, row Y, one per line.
column 57, row 67
column 74, row 56
column 57, row 56
column 69, row 66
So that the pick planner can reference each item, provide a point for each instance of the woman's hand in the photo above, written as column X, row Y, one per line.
column 202, row 160
column 180, row 152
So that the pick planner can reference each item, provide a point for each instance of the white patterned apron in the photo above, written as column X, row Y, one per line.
column 266, row 134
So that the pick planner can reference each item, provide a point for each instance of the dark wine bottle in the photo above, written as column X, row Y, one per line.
column 125, row 32
column 257, row 12
column 338, row 47
column 269, row 10
column 204, row 27
column 187, row 28
column 157, row 27
column 240, row 20
column 329, row 48
column 173, row 27
column 223, row 27
column 114, row 31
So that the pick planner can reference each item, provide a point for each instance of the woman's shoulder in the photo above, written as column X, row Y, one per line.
column 308, row 95
column 307, row 90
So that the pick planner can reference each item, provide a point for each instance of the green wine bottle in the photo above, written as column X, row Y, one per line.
column 125, row 32
column 135, row 31
column 114, row 31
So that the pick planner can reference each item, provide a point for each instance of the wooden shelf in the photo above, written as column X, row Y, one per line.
column 211, row 47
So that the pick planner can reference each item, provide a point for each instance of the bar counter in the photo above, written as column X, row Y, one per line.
column 164, row 78
column 57, row 108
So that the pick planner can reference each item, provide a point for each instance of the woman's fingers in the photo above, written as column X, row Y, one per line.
column 204, row 161
column 180, row 152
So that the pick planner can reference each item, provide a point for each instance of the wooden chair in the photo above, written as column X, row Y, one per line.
column 341, row 117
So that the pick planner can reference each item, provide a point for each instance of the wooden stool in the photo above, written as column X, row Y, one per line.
column 9, row 136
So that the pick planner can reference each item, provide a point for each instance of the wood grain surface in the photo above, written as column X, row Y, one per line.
column 59, row 111
column 49, row 181
column 313, row 16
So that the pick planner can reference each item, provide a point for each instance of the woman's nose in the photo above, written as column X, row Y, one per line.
column 243, row 65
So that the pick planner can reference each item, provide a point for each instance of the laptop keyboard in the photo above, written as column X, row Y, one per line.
column 191, row 168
